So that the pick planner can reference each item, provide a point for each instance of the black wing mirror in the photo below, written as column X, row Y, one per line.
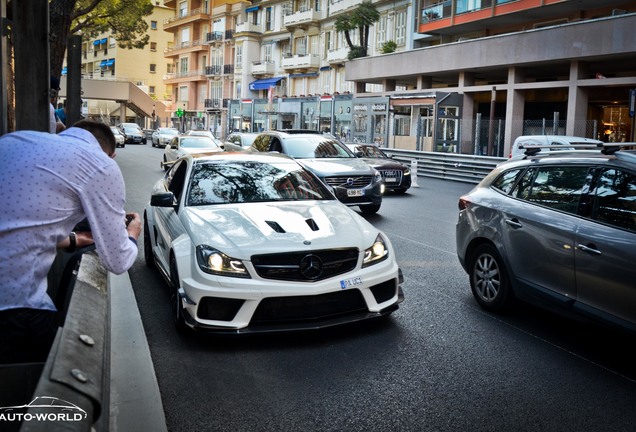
column 163, row 199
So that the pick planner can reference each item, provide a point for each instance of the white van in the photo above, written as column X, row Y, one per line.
column 548, row 140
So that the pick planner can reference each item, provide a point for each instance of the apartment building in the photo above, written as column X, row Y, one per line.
column 269, row 63
column 103, row 60
column 485, row 71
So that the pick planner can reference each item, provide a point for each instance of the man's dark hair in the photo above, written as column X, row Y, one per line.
column 101, row 132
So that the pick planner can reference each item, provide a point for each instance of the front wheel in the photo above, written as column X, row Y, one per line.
column 175, row 298
column 148, row 258
column 370, row 209
column 489, row 280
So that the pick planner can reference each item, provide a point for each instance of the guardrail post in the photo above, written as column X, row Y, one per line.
column 414, row 173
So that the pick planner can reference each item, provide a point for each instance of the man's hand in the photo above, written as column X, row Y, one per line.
column 133, row 225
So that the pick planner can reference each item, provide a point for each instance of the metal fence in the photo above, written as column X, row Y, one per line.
column 447, row 166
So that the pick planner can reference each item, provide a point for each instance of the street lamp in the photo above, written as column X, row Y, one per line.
column 183, row 118
column 154, row 114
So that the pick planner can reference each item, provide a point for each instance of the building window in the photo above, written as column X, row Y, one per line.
column 381, row 30
column 153, row 68
column 239, row 56
column 269, row 19
column 183, row 93
column 151, row 90
column 153, row 46
column 153, row 25
column 183, row 65
column 400, row 28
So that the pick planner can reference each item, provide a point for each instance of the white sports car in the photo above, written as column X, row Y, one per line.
column 182, row 145
column 252, row 242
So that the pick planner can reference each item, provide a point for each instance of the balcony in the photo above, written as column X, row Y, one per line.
column 215, row 70
column 337, row 56
column 212, row 103
column 263, row 67
column 302, row 62
column 303, row 18
column 181, row 77
column 185, row 47
column 342, row 6
column 248, row 27
column 214, row 37
column 195, row 15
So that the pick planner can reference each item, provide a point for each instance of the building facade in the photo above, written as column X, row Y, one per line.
column 102, row 59
column 508, row 68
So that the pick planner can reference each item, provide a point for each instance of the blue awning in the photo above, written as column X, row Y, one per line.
column 252, row 9
column 103, row 63
column 264, row 84
column 64, row 70
column 96, row 42
column 110, row 62
column 104, row 40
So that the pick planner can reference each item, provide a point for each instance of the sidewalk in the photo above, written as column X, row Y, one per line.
column 135, row 402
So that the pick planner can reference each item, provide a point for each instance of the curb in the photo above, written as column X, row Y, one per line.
column 135, row 401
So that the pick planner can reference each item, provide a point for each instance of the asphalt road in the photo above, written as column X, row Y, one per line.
column 439, row 363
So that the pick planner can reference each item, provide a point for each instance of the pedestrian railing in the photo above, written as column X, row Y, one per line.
column 447, row 166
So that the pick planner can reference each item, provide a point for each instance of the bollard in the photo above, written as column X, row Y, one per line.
column 414, row 173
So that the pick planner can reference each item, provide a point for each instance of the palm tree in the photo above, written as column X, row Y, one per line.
column 361, row 18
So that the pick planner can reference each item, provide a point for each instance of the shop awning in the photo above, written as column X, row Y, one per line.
column 104, row 40
column 264, row 84
column 96, row 42
column 252, row 9
column 103, row 63
column 110, row 62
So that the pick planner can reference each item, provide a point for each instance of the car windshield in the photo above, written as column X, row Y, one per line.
column 172, row 132
column 370, row 151
column 130, row 130
column 226, row 182
column 315, row 147
column 247, row 140
column 198, row 142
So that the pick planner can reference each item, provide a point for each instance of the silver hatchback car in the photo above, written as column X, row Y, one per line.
column 555, row 229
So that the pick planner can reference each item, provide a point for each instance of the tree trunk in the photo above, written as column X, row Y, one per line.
column 60, row 20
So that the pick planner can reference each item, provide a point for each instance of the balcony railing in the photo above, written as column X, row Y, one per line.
column 215, row 36
column 198, row 74
column 263, row 67
column 342, row 6
column 188, row 46
column 306, row 61
column 212, row 103
column 193, row 15
column 303, row 17
column 213, row 70
column 337, row 56
column 249, row 27
column 228, row 69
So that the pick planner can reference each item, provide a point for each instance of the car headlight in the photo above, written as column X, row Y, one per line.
column 378, row 252
column 213, row 261
column 407, row 172
column 377, row 177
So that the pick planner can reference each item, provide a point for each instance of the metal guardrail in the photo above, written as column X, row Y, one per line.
column 447, row 166
column 74, row 383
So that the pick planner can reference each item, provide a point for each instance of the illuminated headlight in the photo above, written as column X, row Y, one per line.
column 407, row 172
column 378, row 252
column 216, row 262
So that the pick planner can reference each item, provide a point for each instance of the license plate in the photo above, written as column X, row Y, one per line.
column 354, row 192
column 390, row 179
column 348, row 283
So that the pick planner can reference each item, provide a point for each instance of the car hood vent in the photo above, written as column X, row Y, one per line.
column 275, row 226
column 312, row 224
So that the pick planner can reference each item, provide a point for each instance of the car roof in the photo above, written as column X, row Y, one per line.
column 243, row 156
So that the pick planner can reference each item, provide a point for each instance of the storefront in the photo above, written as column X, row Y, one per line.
column 342, row 117
column 370, row 120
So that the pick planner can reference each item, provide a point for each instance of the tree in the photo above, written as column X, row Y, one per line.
column 91, row 17
column 360, row 18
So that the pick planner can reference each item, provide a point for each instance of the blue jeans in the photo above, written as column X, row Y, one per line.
column 26, row 335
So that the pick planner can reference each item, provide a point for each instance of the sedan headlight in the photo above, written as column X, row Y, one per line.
column 377, row 177
column 378, row 252
column 213, row 261
column 407, row 172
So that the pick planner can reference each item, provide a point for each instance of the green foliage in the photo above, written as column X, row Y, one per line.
column 388, row 47
column 357, row 52
column 124, row 18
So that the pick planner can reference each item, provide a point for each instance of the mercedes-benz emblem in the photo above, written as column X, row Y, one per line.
column 311, row 266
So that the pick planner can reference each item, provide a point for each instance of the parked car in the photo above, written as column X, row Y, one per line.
column 252, row 242
column 352, row 180
column 555, row 229
column 188, row 144
column 162, row 136
column 133, row 134
column 549, row 140
column 119, row 137
column 241, row 139
column 396, row 175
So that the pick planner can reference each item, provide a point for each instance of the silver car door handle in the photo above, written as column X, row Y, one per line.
column 589, row 249
column 514, row 223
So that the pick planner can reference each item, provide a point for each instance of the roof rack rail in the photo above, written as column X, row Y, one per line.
column 611, row 148
column 533, row 149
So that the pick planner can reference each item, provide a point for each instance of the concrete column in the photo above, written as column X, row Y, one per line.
column 515, row 100
column 577, row 102
column 122, row 112
column 467, row 129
